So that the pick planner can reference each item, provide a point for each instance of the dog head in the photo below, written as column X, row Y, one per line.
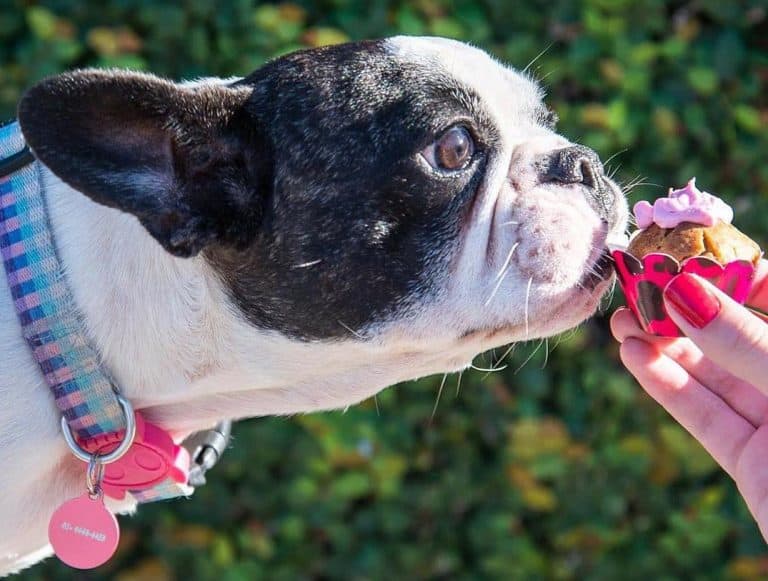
column 407, row 191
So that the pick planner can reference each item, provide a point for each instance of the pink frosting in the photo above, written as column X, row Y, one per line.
column 688, row 204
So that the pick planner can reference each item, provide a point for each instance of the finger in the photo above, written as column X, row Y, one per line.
column 752, row 477
column 743, row 397
column 727, row 333
column 708, row 418
column 746, row 400
column 624, row 325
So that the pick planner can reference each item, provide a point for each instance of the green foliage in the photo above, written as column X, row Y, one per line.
column 563, row 471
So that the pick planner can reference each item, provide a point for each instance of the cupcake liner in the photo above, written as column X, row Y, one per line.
column 643, row 282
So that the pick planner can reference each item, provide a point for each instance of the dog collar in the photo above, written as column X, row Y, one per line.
column 143, row 458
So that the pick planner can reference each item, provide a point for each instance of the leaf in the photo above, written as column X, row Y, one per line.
column 409, row 22
column 324, row 36
column 447, row 27
column 748, row 118
column 687, row 450
column 703, row 80
column 42, row 22
column 351, row 485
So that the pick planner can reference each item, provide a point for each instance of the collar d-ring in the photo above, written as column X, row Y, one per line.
column 117, row 453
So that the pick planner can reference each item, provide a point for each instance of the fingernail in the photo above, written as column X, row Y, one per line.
column 692, row 300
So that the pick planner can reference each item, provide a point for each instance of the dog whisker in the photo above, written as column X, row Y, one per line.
column 499, row 360
column 437, row 400
column 632, row 184
column 495, row 366
column 590, row 269
column 616, row 155
column 489, row 370
column 506, row 261
column 502, row 273
column 531, row 356
column 507, row 352
column 537, row 57
column 636, row 182
column 544, row 77
column 458, row 383
column 350, row 329
column 606, row 301
column 308, row 264
column 376, row 403
column 565, row 336
column 527, row 303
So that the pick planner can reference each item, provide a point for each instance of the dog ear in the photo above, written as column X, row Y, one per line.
column 189, row 162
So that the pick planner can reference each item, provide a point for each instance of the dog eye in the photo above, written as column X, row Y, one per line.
column 452, row 151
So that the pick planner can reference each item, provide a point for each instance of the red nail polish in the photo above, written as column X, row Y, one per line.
column 692, row 300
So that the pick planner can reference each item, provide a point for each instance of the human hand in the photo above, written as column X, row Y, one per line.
column 715, row 381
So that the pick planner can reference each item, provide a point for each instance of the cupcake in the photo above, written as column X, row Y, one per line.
column 687, row 231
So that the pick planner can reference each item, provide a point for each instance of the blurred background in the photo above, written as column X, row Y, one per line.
column 555, row 467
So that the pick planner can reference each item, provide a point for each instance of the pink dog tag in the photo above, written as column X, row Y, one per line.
column 83, row 533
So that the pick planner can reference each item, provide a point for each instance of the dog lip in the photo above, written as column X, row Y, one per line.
column 600, row 270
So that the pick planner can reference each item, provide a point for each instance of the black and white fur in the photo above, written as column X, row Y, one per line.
column 281, row 244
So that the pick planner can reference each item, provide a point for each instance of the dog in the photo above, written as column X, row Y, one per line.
column 340, row 220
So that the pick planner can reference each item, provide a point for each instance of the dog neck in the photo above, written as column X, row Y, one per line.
column 151, row 317
column 177, row 347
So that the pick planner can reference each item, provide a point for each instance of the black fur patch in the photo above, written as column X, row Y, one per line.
column 355, row 228
column 301, row 183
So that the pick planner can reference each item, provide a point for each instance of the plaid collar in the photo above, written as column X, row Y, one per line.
column 52, row 327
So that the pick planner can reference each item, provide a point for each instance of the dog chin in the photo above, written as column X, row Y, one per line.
column 573, row 309
column 581, row 304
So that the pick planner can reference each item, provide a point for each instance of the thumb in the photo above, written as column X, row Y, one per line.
column 726, row 332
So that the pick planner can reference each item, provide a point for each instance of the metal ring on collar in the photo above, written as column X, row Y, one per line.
column 117, row 453
column 94, row 475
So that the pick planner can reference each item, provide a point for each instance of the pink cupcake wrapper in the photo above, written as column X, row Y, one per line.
column 643, row 282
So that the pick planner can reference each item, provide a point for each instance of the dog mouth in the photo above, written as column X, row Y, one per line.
column 600, row 270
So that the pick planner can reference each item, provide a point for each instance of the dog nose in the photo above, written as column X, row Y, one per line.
column 572, row 165
column 577, row 164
